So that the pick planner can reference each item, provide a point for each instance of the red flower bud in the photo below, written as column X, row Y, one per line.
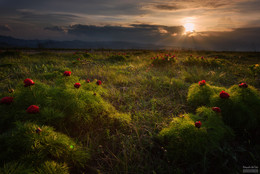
column 38, row 130
column 28, row 82
column 88, row 81
column 99, row 82
column 202, row 82
column 216, row 109
column 198, row 124
column 243, row 85
column 223, row 94
column 7, row 100
column 33, row 109
column 67, row 73
column 77, row 85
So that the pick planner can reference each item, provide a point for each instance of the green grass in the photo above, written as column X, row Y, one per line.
column 140, row 120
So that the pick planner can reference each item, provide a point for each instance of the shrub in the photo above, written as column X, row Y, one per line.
column 78, row 109
column 186, row 144
column 24, row 144
column 240, row 111
column 15, row 168
column 52, row 167
column 199, row 95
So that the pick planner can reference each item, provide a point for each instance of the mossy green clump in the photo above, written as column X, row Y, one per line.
column 199, row 95
column 15, row 168
column 62, row 105
column 30, row 147
column 52, row 167
column 242, row 109
column 187, row 144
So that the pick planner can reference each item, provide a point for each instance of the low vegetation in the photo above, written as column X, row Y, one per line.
column 131, row 111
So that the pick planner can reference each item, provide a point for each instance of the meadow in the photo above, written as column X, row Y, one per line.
column 129, row 111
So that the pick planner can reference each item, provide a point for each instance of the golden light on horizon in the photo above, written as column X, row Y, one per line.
column 189, row 27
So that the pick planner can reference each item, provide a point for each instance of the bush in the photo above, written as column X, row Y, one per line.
column 188, row 145
column 15, row 168
column 51, row 167
column 78, row 109
column 24, row 144
column 240, row 111
column 199, row 95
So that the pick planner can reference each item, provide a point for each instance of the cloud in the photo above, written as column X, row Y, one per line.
column 5, row 28
column 56, row 28
column 143, row 33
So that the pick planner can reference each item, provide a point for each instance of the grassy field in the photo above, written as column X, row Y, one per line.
column 140, row 119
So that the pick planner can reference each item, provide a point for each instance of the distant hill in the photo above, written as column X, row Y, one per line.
column 10, row 42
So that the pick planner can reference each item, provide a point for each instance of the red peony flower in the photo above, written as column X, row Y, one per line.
column 223, row 94
column 202, row 82
column 77, row 85
column 198, row 124
column 88, row 81
column 216, row 109
column 7, row 100
column 243, row 85
column 67, row 73
column 99, row 82
column 28, row 82
column 38, row 130
column 33, row 109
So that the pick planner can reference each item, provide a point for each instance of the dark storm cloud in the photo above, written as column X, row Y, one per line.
column 136, row 32
column 56, row 28
column 37, row 17
column 5, row 28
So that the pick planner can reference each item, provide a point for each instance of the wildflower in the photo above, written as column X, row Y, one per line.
column 223, row 94
column 216, row 109
column 88, row 81
column 78, row 59
column 77, row 85
column 10, row 90
column 38, row 130
column 243, row 85
column 202, row 57
column 7, row 100
column 198, row 124
column 67, row 73
column 99, row 82
column 28, row 82
column 202, row 82
column 33, row 109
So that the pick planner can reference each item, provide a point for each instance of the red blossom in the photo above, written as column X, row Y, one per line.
column 202, row 82
column 33, row 109
column 99, row 82
column 77, row 85
column 38, row 130
column 67, row 73
column 216, row 109
column 243, row 85
column 7, row 100
column 28, row 82
column 223, row 94
column 88, row 81
column 198, row 124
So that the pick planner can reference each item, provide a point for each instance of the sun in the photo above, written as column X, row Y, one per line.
column 189, row 27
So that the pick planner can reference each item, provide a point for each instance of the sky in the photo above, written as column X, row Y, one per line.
column 206, row 24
